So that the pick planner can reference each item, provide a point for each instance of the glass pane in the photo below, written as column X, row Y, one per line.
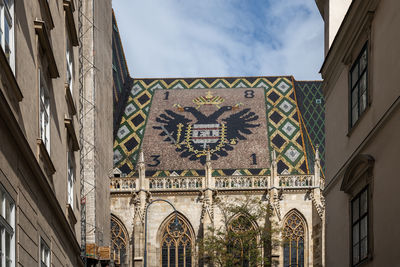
column 363, row 60
column 354, row 76
column 2, row 198
column 301, row 253
column 164, row 256
column 354, row 98
column 363, row 249
column 7, row 39
column 356, row 234
column 286, row 256
column 9, row 207
column 8, row 250
column 293, row 252
column 356, row 256
column 364, row 227
column 363, row 82
column 1, row 247
column 363, row 101
column 354, row 115
column 172, row 256
column 180, row 256
column 355, row 209
column 363, row 203
column 188, row 256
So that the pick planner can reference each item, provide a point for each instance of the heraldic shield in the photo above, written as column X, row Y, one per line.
column 194, row 132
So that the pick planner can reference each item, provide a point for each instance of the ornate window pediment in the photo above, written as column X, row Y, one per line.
column 360, row 167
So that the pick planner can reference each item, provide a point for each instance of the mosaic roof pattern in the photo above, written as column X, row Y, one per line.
column 311, row 104
column 289, row 130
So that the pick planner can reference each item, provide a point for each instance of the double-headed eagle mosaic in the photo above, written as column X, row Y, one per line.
column 218, row 132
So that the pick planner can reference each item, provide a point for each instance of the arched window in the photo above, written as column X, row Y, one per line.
column 293, row 241
column 243, row 237
column 177, row 243
column 119, row 238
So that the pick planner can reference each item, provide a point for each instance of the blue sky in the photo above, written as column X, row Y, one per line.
column 198, row 38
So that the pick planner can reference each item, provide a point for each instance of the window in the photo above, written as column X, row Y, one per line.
column 69, row 67
column 119, row 241
column 71, row 178
column 293, row 244
column 44, row 115
column 7, row 230
column 242, row 238
column 359, row 85
column 44, row 254
column 359, row 215
column 177, row 244
column 6, row 29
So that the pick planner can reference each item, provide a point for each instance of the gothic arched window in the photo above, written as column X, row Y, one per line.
column 119, row 239
column 243, row 237
column 177, row 243
column 293, row 241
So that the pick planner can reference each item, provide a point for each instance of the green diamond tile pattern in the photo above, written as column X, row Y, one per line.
column 284, row 125
column 312, row 109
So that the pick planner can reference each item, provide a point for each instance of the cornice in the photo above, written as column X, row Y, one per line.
column 358, row 18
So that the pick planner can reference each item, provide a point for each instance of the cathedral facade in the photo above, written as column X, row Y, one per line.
column 185, row 145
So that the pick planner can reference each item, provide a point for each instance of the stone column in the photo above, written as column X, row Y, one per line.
column 275, row 214
column 207, row 216
column 140, row 204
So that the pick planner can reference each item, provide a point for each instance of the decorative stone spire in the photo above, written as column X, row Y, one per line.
column 274, row 170
column 208, row 170
column 317, row 168
column 142, row 171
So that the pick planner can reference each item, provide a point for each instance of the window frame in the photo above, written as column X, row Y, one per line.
column 70, row 178
column 43, row 249
column 7, row 13
column 69, row 62
column 356, row 86
column 7, row 226
column 358, row 222
column 44, row 102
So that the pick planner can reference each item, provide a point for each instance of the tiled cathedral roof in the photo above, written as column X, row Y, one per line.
column 294, row 112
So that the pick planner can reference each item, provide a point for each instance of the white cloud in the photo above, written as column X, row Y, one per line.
column 172, row 38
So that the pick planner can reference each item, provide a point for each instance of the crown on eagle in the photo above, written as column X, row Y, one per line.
column 208, row 99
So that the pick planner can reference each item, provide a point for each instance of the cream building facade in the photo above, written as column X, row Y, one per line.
column 362, row 97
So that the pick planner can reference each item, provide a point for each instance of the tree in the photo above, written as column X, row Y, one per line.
column 242, row 237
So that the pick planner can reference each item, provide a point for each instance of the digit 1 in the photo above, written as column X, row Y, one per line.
column 166, row 94
column 254, row 158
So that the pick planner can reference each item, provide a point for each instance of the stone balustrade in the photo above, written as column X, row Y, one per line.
column 242, row 182
column 128, row 184
column 175, row 183
column 123, row 184
column 296, row 181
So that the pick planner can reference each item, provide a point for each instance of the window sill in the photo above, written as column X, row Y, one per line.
column 71, row 215
column 69, row 15
column 44, row 40
column 45, row 157
column 71, row 131
column 70, row 101
column 6, row 68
